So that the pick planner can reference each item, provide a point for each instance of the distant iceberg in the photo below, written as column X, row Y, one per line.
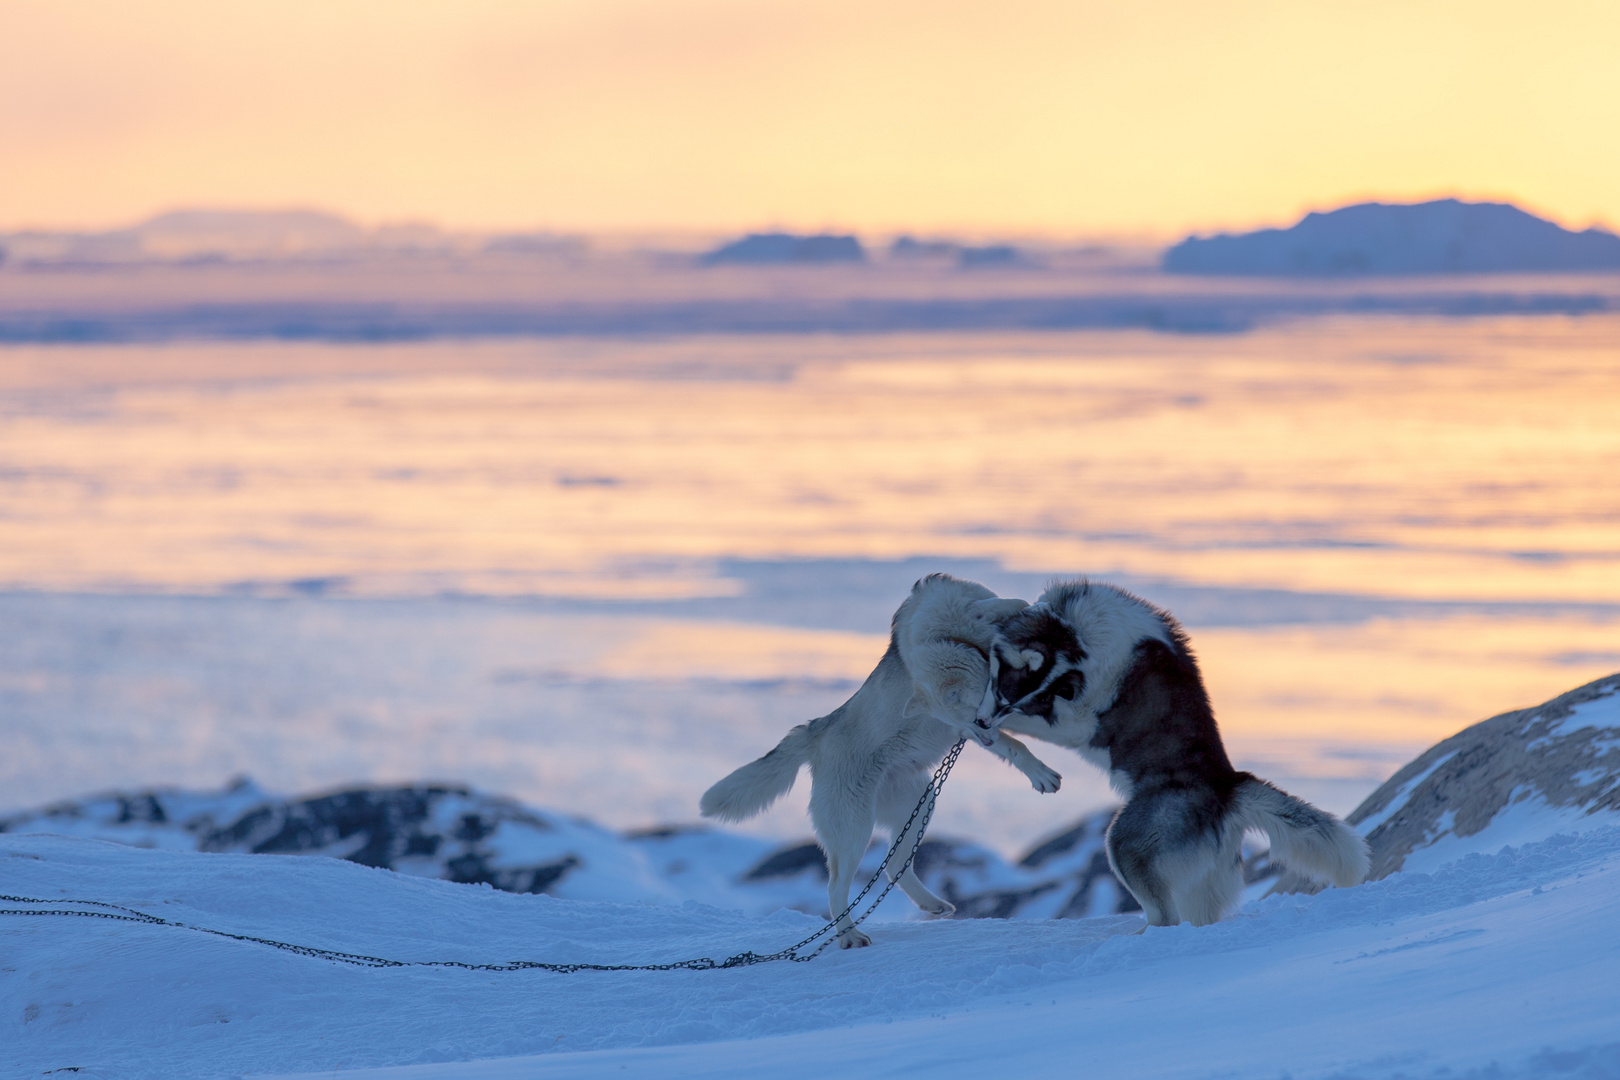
column 202, row 236
column 991, row 255
column 966, row 257
column 1446, row 236
column 786, row 248
column 909, row 247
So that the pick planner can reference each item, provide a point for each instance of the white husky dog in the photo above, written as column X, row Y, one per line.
column 1117, row 682
column 870, row 759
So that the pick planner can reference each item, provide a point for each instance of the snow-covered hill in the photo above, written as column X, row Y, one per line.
column 1518, row 777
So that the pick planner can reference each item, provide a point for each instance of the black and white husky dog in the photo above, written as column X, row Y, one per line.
column 871, row 757
column 1094, row 668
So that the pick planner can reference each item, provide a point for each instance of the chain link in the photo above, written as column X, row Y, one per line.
column 920, row 816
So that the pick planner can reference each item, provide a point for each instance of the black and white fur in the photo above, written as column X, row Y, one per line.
column 1121, row 687
column 1034, row 660
column 871, row 758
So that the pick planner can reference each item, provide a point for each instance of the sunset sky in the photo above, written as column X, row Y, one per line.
column 1062, row 117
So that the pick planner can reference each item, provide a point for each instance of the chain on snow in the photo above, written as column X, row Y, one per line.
column 920, row 815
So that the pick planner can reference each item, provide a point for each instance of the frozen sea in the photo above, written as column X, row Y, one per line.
column 596, row 573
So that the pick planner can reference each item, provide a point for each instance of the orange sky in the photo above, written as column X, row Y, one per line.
column 1013, row 116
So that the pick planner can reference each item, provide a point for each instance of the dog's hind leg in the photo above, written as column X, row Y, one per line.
column 1210, row 882
column 1132, row 846
column 843, row 823
column 841, row 869
column 897, row 798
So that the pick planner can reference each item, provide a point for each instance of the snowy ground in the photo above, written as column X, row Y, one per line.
column 1501, row 962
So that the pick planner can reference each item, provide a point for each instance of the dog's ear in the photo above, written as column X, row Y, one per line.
column 1008, row 653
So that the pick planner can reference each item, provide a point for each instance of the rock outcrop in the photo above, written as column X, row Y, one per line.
column 1515, row 778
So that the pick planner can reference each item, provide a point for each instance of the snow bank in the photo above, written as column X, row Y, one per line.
column 1492, row 960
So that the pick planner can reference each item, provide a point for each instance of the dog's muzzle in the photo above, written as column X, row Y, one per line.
column 989, row 708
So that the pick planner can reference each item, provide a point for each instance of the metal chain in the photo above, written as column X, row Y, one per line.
column 924, row 810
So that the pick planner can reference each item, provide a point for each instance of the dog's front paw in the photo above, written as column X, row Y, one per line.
column 853, row 939
column 1045, row 780
column 945, row 910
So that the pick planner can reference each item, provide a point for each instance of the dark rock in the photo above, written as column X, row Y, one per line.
column 380, row 824
column 790, row 862
column 994, row 903
column 1066, row 876
column 1061, row 844
column 665, row 832
column 387, row 827
column 142, row 808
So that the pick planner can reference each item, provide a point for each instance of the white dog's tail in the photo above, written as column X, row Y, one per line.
column 1310, row 843
column 759, row 783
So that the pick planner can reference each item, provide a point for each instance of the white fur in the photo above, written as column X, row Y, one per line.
column 1205, row 879
column 870, row 759
column 1109, row 624
column 1336, row 854
column 945, row 630
column 1206, row 882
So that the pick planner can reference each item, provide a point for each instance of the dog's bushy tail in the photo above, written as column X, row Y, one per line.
column 759, row 783
column 1310, row 843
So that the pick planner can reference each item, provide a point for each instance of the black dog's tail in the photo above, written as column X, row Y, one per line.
column 1310, row 843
